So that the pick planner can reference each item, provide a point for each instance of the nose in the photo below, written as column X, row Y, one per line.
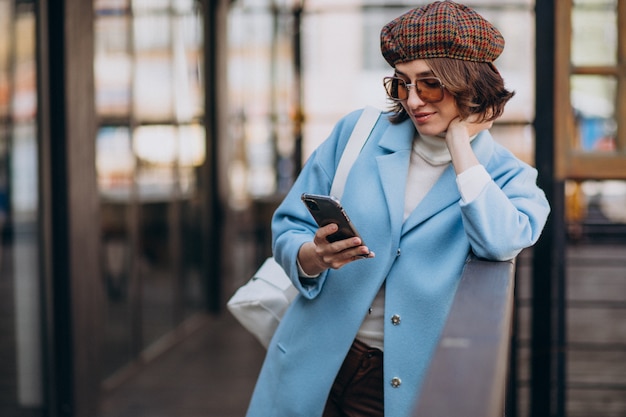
column 414, row 100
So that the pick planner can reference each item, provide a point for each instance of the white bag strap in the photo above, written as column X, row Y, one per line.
column 359, row 136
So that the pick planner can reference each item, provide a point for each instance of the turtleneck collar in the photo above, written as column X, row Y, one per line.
column 433, row 149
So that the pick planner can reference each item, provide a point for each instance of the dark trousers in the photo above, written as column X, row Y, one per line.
column 358, row 388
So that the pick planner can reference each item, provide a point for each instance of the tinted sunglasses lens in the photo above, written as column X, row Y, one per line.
column 430, row 90
column 396, row 88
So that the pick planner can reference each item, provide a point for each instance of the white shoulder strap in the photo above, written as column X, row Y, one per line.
column 359, row 136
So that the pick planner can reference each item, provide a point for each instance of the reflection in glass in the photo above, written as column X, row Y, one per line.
column 156, row 274
column 265, row 100
column 21, row 373
column 161, row 148
column 23, row 212
column 150, row 5
column 151, row 32
column 116, row 265
column 115, row 162
column 188, row 87
column 152, row 88
column 112, row 64
column 150, row 145
column 110, row 6
column 594, row 33
column 167, row 78
column 593, row 101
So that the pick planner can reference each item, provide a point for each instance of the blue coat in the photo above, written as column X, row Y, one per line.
column 420, row 260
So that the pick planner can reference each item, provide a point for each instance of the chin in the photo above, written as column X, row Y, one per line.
column 428, row 131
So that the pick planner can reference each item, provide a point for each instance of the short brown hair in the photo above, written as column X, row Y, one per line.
column 477, row 88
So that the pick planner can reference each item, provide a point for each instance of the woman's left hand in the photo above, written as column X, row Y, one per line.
column 458, row 141
column 464, row 129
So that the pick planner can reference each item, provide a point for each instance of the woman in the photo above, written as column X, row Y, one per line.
column 429, row 189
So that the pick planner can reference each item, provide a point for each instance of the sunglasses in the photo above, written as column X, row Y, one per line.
column 428, row 89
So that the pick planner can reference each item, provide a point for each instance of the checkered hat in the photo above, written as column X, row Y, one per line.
column 443, row 29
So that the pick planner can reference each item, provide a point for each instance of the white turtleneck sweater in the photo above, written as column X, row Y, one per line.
column 430, row 157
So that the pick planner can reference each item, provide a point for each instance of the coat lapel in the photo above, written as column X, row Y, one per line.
column 393, row 166
column 445, row 192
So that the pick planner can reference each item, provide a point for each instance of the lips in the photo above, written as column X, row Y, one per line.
column 422, row 117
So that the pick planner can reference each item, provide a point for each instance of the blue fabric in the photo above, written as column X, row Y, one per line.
column 420, row 260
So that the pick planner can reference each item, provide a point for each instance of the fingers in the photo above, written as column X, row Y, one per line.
column 321, row 240
column 323, row 232
column 337, row 254
column 465, row 129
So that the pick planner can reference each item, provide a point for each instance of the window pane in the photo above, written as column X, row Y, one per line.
column 594, row 33
column 187, row 67
column 112, row 65
column 115, row 162
column 517, row 62
column 261, row 91
column 151, row 32
column 150, row 5
column 152, row 87
column 183, row 6
column 21, row 374
column 593, row 99
column 152, row 83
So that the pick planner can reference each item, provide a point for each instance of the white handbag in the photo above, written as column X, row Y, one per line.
column 260, row 303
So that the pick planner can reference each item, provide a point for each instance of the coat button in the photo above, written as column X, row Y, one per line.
column 395, row 319
column 396, row 382
column 398, row 252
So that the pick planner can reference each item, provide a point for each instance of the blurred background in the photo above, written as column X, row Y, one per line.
column 144, row 145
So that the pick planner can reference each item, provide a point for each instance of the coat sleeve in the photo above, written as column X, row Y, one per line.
column 292, row 224
column 510, row 212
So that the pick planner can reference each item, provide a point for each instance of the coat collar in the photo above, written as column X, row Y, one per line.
column 393, row 167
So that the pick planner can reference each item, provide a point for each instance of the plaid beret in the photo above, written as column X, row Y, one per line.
column 443, row 29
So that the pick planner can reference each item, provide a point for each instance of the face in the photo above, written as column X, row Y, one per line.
column 430, row 119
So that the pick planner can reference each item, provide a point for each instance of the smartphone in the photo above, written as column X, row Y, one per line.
column 326, row 210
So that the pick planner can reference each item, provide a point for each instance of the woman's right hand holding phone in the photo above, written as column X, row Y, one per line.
column 319, row 255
